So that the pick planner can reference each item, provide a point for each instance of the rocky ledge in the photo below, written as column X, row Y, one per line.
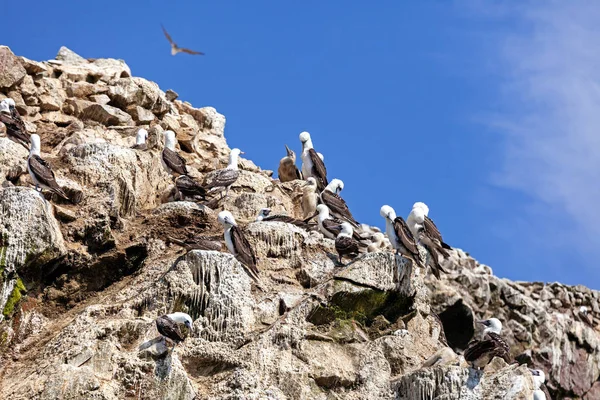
column 81, row 283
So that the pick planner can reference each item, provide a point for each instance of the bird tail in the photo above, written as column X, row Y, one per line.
column 446, row 246
column 59, row 191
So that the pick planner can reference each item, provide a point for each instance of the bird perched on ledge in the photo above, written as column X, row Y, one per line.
column 338, row 207
column 480, row 353
column 400, row 236
column 168, row 326
column 15, row 127
column 312, row 164
column 238, row 245
column 173, row 162
column 140, row 140
column 288, row 171
column 345, row 244
column 41, row 172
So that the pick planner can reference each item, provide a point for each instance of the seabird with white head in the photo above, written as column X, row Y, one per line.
column 140, row 140
column 171, row 160
column 584, row 316
column 288, row 171
column 419, row 219
column 238, row 245
column 400, row 236
column 312, row 164
column 480, row 353
column 338, row 207
column 225, row 177
column 168, row 326
column 310, row 198
column 345, row 244
column 264, row 215
column 15, row 127
column 41, row 172
column 540, row 390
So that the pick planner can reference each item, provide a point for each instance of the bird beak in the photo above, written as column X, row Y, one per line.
column 289, row 152
column 482, row 322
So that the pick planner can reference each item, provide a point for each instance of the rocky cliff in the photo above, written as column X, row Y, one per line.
column 81, row 282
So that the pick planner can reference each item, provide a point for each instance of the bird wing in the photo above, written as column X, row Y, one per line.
column 319, row 171
column 346, row 245
column 167, row 35
column 188, row 51
column 142, row 146
column 44, row 174
column 174, row 161
column 434, row 232
column 493, row 344
column 501, row 348
column 332, row 225
column 169, row 328
column 189, row 186
column 434, row 249
column 15, row 127
column 224, row 178
column 244, row 251
column 406, row 238
column 283, row 218
column 337, row 205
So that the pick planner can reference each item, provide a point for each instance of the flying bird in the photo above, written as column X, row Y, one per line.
column 480, row 353
column 338, row 207
column 265, row 215
column 238, row 245
column 168, row 326
column 400, row 236
column 225, row 177
column 15, row 127
column 345, row 244
column 310, row 198
column 171, row 160
column 176, row 49
column 40, row 170
column 312, row 164
column 140, row 140
column 189, row 188
column 288, row 171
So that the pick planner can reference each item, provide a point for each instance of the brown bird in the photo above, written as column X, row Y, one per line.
column 287, row 167
column 40, row 170
column 15, row 127
column 480, row 353
column 345, row 244
column 176, row 49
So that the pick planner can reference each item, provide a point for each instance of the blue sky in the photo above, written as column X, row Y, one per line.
column 486, row 112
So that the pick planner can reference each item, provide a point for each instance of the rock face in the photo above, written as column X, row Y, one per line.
column 82, row 282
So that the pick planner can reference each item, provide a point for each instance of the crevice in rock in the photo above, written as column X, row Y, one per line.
column 458, row 325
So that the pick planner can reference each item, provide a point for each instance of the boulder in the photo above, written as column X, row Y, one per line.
column 11, row 69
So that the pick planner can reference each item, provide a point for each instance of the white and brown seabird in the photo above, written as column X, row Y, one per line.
column 15, row 127
column 400, row 236
column 540, row 390
column 168, row 326
column 225, row 177
column 140, row 140
column 584, row 316
column 345, row 244
column 310, row 198
column 312, row 164
column 238, row 245
column 264, row 215
column 171, row 160
column 176, row 49
column 41, row 172
column 480, row 353
column 189, row 188
column 288, row 171
column 332, row 199
column 419, row 219
column 330, row 226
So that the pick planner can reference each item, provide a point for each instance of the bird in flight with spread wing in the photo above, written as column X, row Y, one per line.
column 176, row 49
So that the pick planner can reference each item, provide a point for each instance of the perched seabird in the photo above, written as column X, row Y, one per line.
column 140, row 140
column 418, row 219
column 540, row 390
column 168, row 326
column 312, row 164
column 441, row 358
column 480, row 353
column 377, row 242
column 15, row 127
column 345, row 244
column 171, row 160
column 310, row 198
column 189, row 188
column 238, row 245
column 265, row 215
column 399, row 234
column 330, row 226
column 338, row 207
column 288, row 171
column 225, row 177
column 40, row 170
column 584, row 316
column 198, row 243
column 176, row 49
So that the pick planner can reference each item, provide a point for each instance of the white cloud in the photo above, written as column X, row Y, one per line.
column 550, row 68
